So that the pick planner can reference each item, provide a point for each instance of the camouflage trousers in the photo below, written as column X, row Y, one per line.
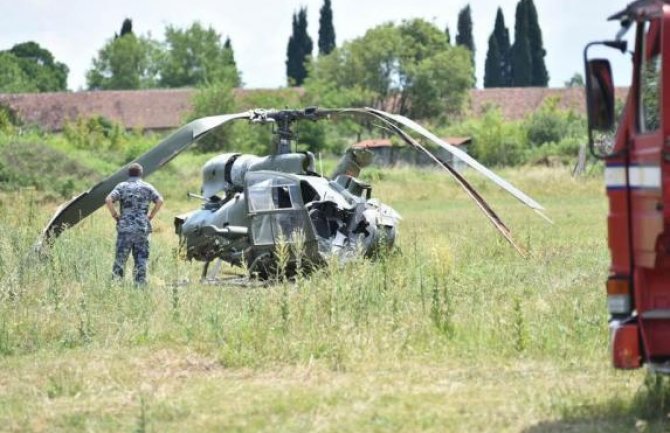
column 138, row 244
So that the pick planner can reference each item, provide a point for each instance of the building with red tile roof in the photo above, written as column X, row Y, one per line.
column 164, row 109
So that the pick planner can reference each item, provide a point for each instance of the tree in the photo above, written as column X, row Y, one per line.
column 409, row 69
column 125, row 62
column 40, row 68
column 212, row 99
column 12, row 77
column 298, row 50
column 447, row 34
column 522, row 68
column 502, row 38
column 492, row 71
column 539, row 74
column 464, row 35
column 230, row 55
column 326, row 29
column 577, row 80
column 196, row 56
column 528, row 67
column 498, row 66
column 126, row 27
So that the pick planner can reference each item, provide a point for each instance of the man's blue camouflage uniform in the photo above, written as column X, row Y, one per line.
column 133, row 226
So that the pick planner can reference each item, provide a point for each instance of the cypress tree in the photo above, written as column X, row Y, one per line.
column 448, row 34
column 539, row 74
column 326, row 29
column 504, row 49
column 126, row 27
column 464, row 35
column 299, row 48
column 522, row 68
column 492, row 71
column 292, row 53
column 229, row 54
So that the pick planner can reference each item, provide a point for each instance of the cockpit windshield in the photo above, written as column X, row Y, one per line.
column 268, row 192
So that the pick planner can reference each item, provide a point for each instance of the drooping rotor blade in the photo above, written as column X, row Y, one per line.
column 469, row 189
column 525, row 199
column 86, row 203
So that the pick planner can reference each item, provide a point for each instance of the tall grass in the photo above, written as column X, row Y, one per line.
column 453, row 286
column 452, row 291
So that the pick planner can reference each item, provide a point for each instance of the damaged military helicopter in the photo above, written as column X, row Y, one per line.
column 252, row 203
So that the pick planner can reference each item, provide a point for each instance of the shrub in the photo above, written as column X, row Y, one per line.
column 494, row 140
column 36, row 165
column 550, row 154
column 93, row 133
column 550, row 124
column 211, row 100
column 8, row 121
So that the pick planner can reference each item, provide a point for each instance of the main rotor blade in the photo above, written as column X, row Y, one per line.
column 469, row 189
column 463, row 157
column 88, row 202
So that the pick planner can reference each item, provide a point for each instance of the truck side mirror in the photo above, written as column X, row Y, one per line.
column 599, row 95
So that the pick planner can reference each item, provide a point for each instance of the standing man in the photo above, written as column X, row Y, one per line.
column 133, row 226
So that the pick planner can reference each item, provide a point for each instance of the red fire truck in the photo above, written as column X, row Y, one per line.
column 636, row 149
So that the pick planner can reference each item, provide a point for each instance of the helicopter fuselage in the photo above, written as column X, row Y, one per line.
column 289, row 208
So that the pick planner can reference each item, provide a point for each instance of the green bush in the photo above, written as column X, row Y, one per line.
column 550, row 124
column 41, row 167
column 138, row 144
column 495, row 141
column 8, row 121
column 211, row 100
column 562, row 152
column 95, row 133
column 548, row 136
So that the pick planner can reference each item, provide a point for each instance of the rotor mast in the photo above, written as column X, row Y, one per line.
column 284, row 136
column 283, row 120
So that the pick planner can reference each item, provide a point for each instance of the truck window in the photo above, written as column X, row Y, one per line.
column 650, row 97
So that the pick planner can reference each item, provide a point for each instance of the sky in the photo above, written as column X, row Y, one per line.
column 74, row 30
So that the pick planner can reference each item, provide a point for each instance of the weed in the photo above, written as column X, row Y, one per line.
column 519, row 327
column 142, row 422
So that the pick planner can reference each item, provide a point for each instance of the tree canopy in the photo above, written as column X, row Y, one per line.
column 189, row 57
column 27, row 67
column 498, row 68
column 126, row 27
column 409, row 68
column 196, row 56
column 126, row 62
column 326, row 29
column 464, row 26
column 522, row 69
column 12, row 77
column 492, row 72
column 539, row 75
column 528, row 67
column 299, row 50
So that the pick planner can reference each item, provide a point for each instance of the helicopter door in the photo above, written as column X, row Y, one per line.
column 276, row 209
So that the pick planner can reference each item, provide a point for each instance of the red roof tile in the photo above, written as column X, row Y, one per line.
column 518, row 102
column 167, row 108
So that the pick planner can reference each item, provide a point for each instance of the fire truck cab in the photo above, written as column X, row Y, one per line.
column 636, row 149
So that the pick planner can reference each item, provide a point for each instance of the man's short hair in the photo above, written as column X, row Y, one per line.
column 135, row 170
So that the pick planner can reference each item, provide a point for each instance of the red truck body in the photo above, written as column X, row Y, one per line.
column 637, row 176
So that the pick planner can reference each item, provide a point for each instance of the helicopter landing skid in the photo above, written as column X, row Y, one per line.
column 210, row 276
column 235, row 280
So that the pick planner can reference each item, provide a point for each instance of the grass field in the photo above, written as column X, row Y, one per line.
column 454, row 332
